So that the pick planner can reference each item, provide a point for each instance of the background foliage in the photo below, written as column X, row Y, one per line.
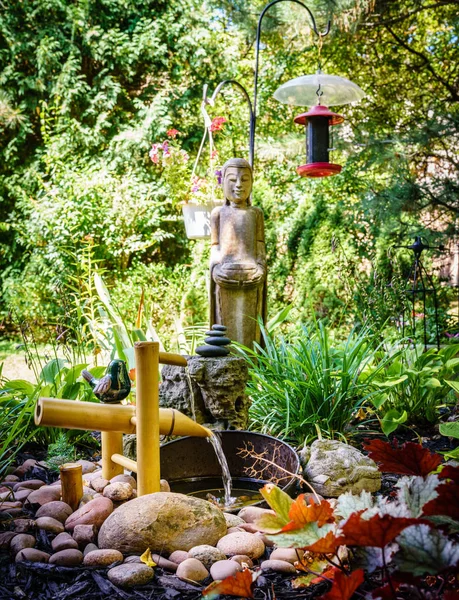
column 87, row 86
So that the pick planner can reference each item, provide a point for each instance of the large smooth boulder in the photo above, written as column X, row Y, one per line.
column 93, row 513
column 333, row 468
column 162, row 521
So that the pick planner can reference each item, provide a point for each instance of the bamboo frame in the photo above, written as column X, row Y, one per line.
column 112, row 420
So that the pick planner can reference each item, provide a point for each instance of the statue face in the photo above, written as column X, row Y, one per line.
column 237, row 184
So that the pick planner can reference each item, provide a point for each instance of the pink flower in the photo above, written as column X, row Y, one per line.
column 214, row 154
column 217, row 123
column 172, row 133
column 165, row 146
column 185, row 156
column 153, row 154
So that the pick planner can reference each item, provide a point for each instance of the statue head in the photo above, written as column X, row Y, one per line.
column 237, row 181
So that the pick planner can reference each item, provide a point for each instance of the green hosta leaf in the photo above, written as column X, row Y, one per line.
column 73, row 373
column 370, row 558
column 299, row 538
column 388, row 383
column 278, row 500
column 416, row 491
column 433, row 383
column 450, row 429
column 452, row 454
column 51, row 369
column 424, row 550
column 20, row 385
column 392, row 419
column 452, row 524
column 348, row 503
column 454, row 385
column 450, row 364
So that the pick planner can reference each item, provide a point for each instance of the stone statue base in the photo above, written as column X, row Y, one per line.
column 215, row 387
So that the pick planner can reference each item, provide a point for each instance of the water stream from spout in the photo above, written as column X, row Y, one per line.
column 215, row 440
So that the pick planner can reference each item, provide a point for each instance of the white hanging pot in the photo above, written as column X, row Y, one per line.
column 197, row 220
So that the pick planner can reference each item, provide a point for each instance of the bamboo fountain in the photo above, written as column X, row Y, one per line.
column 145, row 419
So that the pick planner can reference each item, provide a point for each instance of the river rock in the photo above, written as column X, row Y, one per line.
column 241, row 543
column 233, row 520
column 280, row 566
column 164, row 485
column 102, row 558
column 5, row 539
column 57, row 510
column 243, row 560
column 86, row 466
column 22, row 494
column 26, row 466
column 290, row 555
column 118, row 491
column 162, row 562
column 23, row 525
column 208, row 555
column 125, row 479
column 334, row 468
column 63, row 541
column 129, row 575
column 67, row 558
column 33, row 555
column 29, row 484
column 99, row 484
column 162, row 521
column 193, row 569
column 11, row 479
column 224, row 568
column 134, row 559
column 90, row 548
column 94, row 512
column 45, row 494
column 178, row 556
column 20, row 542
column 84, row 535
column 251, row 514
column 49, row 524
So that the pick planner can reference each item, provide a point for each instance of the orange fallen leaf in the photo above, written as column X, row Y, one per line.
column 240, row 585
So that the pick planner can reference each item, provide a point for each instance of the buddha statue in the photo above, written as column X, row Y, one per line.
column 238, row 259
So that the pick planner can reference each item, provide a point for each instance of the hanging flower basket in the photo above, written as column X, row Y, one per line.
column 197, row 220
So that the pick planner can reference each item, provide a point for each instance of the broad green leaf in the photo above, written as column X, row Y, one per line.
column 453, row 362
column 20, row 385
column 50, row 370
column 69, row 391
column 299, row 538
column 390, row 382
column 452, row 524
column 270, row 523
column 454, row 385
column 433, row 383
column 74, row 372
column 392, row 419
column 425, row 551
column 452, row 454
column 278, row 500
column 450, row 429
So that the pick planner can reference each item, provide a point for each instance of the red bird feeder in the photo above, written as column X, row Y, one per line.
column 306, row 91
column 317, row 122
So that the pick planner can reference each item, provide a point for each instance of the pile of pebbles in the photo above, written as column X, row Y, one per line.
column 30, row 507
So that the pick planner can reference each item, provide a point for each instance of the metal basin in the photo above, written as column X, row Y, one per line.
column 191, row 467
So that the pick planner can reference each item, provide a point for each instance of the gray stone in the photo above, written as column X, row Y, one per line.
column 49, row 524
column 218, row 327
column 90, row 548
column 243, row 560
column 64, row 541
column 130, row 574
column 84, row 535
column 162, row 521
column 224, row 568
column 102, row 558
column 118, row 491
column 57, row 509
column 208, row 555
column 217, row 341
column 162, row 562
column 334, row 468
column 193, row 569
column 178, row 556
column 280, row 566
column 20, row 542
column 291, row 555
column 233, row 520
column 67, row 558
column 33, row 555
column 212, row 351
column 241, row 543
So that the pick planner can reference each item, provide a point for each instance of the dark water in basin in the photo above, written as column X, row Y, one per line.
column 243, row 493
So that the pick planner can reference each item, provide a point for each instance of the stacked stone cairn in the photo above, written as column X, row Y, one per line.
column 216, row 344
column 112, row 528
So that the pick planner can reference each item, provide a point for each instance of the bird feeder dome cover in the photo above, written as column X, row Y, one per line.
column 335, row 90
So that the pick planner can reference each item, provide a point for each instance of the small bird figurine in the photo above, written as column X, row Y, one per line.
column 114, row 386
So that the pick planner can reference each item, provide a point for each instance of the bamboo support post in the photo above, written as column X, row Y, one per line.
column 111, row 443
column 125, row 462
column 71, row 475
column 147, row 413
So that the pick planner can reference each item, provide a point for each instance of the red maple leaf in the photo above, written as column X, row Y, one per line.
column 301, row 513
column 386, row 592
column 377, row 531
column 409, row 459
column 344, row 585
column 446, row 503
column 449, row 472
column 326, row 545
column 235, row 585
column 329, row 574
